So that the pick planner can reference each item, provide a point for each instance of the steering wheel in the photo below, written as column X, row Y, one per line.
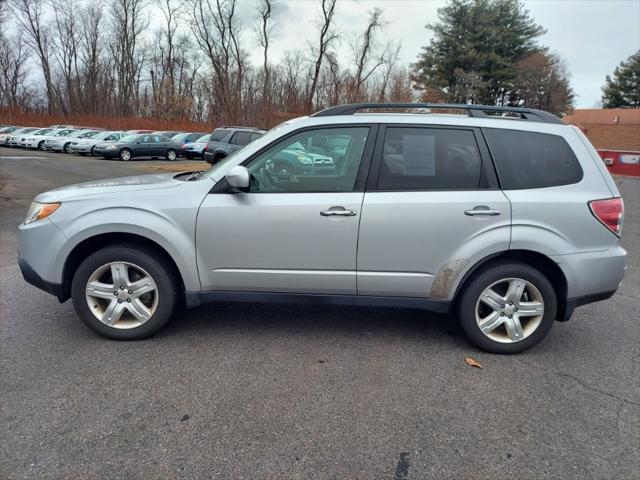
column 269, row 180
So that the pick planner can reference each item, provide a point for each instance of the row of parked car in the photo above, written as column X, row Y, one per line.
column 125, row 145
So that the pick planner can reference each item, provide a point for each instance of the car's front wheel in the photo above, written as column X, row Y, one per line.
column 125, row 154
column 124, row 293
column 41, row 146
column 507, row 307
column 171, row 155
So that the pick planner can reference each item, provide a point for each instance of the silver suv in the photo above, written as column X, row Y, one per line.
column 505, row 216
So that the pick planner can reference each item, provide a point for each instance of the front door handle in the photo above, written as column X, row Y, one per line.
column 338, row 212
column 482, row 210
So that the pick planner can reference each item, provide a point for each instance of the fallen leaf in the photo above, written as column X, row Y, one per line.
column 472, row 362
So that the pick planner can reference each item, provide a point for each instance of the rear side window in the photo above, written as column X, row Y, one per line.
column 430, row 159
column 241, row 138
column 532, row 160
column 218, row 134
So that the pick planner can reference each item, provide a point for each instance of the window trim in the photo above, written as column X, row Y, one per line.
column 495, row 166
column 363, row 170
column 488, row 174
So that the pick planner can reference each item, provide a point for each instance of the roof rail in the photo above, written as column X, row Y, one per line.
column 478, row 111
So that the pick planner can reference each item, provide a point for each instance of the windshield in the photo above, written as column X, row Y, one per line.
column 44, row 131
column 203, row 139
column 129, row 138
column 64, row 133
column 88, row 135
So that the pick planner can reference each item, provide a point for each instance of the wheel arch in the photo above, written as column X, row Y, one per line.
column 537, row 260
column 90, row 244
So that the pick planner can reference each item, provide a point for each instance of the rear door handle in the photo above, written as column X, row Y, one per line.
column 482, row 210
column 338, row 212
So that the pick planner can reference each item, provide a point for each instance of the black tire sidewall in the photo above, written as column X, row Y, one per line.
column 159, row 271
column 476, row 285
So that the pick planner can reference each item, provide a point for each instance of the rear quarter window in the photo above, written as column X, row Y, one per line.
column 218, row 135
column 527, row 160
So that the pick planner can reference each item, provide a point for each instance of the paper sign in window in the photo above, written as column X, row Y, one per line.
column 419, row 155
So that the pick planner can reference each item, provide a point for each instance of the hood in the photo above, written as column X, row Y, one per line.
column 110, row 186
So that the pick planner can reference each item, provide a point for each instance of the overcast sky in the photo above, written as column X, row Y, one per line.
column 592, row 36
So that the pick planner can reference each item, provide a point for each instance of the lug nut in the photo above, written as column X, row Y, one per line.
column 510, row 316
column 119, row 301
column 129, row 291
column 515, row 309
column 501, row 306
column 121, row 287
column 502, row 314
column 510, row 303
column 115, row 293
column 128, row 300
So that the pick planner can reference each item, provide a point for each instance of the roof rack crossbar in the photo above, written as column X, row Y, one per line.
column 478, row 111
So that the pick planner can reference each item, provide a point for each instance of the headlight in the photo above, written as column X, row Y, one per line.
column 110, row 147
column 38, row 211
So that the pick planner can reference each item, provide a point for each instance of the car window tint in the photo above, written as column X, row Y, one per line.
column 241, row 138
column 307, row 162
column 218, row 135
column 532, row 160
column 428, row 159
column 158, row 139
column 255, row 136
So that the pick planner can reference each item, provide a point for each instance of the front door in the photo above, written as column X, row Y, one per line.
column 431, row 210
column 296, row 229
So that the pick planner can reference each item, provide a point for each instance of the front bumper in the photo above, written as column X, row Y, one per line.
column 32, row 277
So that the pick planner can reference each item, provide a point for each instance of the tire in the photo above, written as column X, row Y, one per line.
column 125, row 154
column 171, row 155
column 189, row 156
column 93, row 151
column 159, row 303
column 41, row 146
column 217, row 158
column 65, row 148
column 502, row 334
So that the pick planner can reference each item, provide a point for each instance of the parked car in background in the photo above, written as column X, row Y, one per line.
column 38, row 141
column 186, row 137
column 8, row 133
column 11, row 139
column 9, row 129
column 135, row 146
column 85, row 146
column 226, row 140
column 38, row 135
column 196, row 148
column 169, row 134
column 61, row 144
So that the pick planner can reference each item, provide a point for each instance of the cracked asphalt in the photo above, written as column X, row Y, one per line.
column 303, row 392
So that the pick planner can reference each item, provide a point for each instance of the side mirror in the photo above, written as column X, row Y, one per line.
column 238, row 178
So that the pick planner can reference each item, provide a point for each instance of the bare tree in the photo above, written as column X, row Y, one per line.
column 264, row 32
column 363, row 51
column 13, row 59
column 30, row 19
column 326, row 38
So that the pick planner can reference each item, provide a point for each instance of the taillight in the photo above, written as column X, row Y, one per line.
column 610, row 212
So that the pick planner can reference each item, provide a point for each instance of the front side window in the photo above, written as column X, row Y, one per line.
column 309, row 161
column 219, row 134
column 429, row 159
column 532, row 160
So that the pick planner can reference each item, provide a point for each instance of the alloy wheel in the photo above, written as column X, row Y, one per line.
column 509, row 310
column 122, row 295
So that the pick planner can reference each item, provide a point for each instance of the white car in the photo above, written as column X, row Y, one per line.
column 36, row 141
column 21, row 140
column 62, row 144
column 8, row 132
column 84, row 146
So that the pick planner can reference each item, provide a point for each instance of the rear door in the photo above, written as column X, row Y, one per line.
column 432, row 208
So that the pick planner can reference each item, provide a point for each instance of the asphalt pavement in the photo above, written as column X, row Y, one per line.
column 305, row 392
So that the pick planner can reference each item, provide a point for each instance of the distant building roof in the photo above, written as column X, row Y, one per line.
column 609, row 129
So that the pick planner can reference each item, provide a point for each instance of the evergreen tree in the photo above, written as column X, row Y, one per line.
column 474, row 54
column 623, row 90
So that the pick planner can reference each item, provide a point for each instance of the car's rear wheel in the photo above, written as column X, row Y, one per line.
column 507, row 308
column 124, row 293
column 171, row 155
column 125, row 154
column 65, row 148
column 41, row 146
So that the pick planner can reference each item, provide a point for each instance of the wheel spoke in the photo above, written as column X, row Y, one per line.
column 112, row 313
column 142, row 286
column 120, row 274
column 514, row 329
column 101, row 290
column 515, row 291
column 138, row 310
column 530, row 309
column 491, row 322
column 492, row 299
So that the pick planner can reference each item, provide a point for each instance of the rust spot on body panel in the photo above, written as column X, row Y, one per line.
column 446, row 277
